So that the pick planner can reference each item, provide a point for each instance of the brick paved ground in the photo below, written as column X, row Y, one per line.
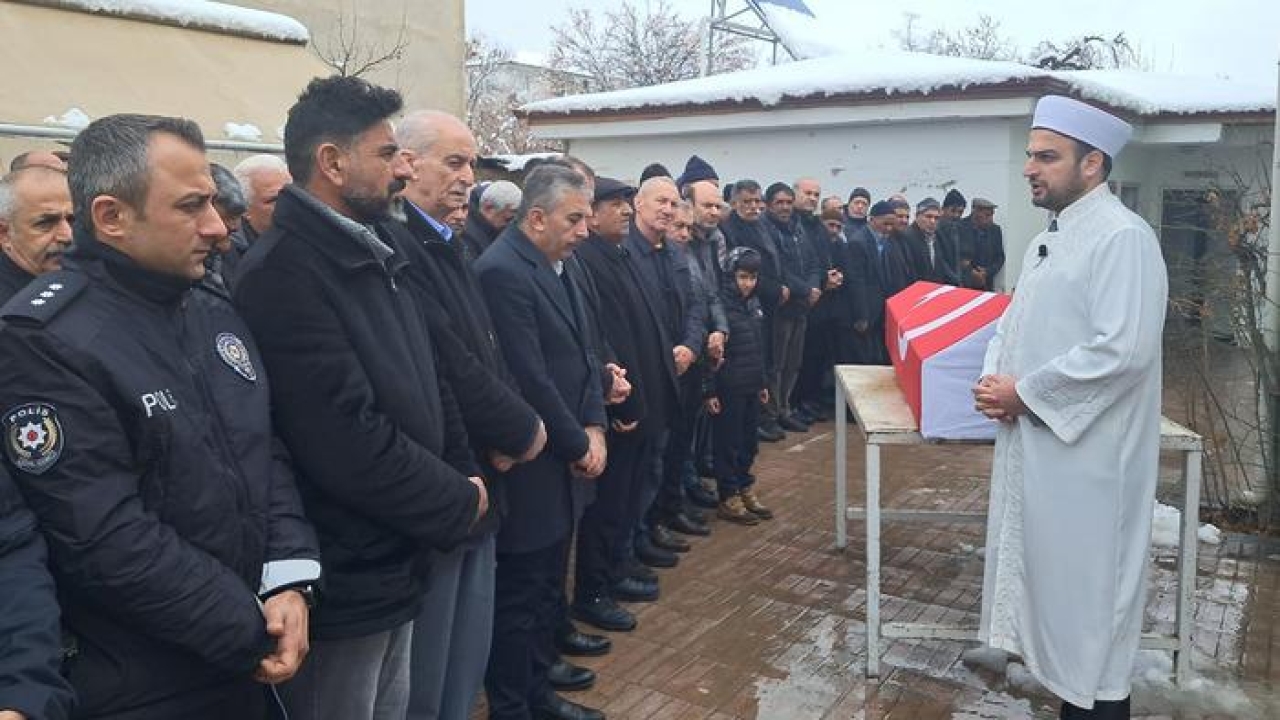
column 767, row 622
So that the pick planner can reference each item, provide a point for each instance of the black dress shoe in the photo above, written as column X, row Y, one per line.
column 654, row 556
column 791, row 424
column 632, row 590
column 702, row 497
column 603, row 612
column 580, row 644
column 554, row 707
column 694, row 514
column 567, row 676
column 682, row 523
column 804, row 416
column 640, row 571
column 770, row 433
column 664, row 539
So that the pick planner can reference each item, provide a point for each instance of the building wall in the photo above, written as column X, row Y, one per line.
column 430, row 72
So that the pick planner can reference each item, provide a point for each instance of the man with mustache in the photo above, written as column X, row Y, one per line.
column 382, row 456
column 35, row 225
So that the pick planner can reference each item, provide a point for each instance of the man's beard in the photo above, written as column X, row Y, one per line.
column 375, row 208
column 1059, row 199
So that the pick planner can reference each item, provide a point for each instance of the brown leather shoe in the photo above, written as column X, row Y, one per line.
column 754, row 506
column 731, row 509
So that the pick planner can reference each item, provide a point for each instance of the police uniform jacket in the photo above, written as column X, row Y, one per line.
column 137, row 423
column 374, row 432
column 30, row 643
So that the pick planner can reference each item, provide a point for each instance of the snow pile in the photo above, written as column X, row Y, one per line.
column 1201, row 696
column 890, row 72
column 186, row 13
column 242, row 131
column 1166, row 528
column 804, row 35
column 73, row 118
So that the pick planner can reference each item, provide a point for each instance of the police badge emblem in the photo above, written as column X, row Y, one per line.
column 233, row 352
column 33, row 437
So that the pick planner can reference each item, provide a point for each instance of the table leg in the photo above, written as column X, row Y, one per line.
column 1187, row 551
column 873, row 560
column 842, row 491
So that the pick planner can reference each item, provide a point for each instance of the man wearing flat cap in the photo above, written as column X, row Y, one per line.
column 888, row 272
column 979, row 246
column 1073, row 377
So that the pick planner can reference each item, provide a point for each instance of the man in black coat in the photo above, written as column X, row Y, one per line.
column 667, row 283
column 606, row 565
column 541, row 323
column 932, row 255
column 492, row 207
column 453, row 630
column 805, row 275
column 980, row 246
column 138, row 426
column 382, row 455
column 31, row 682
column 888, row 272
column 35, row 225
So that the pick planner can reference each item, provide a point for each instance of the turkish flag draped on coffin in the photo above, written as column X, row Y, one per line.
column 937, row 336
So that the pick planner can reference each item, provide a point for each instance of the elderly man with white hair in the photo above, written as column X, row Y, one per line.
column 493, row 206
column 261, row 179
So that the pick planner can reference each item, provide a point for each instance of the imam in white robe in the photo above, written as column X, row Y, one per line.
column 1073, row 488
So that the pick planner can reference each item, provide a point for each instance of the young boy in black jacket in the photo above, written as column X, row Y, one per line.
column 733, row 395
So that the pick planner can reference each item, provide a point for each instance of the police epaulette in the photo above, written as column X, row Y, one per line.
column 45, row 297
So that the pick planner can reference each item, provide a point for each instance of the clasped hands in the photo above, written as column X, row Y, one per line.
column 996, row 396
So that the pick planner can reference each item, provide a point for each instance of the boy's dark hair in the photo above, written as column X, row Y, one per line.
column 745, row 259
column 334, row 109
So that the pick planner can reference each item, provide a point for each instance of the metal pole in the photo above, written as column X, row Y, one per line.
column 1271, row 311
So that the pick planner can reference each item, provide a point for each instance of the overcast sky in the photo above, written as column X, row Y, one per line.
column 1232, row 38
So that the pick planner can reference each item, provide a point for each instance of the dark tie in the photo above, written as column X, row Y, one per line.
column 1053, row 225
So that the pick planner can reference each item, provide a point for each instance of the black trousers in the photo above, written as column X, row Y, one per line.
column 529, row 590
column 679, row 451
column 606, row 526
column 734, row 437
column 1102, row 710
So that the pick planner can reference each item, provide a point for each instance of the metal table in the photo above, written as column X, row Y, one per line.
column 871, row 393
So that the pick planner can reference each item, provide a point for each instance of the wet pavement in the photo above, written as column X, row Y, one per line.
column 768, row 621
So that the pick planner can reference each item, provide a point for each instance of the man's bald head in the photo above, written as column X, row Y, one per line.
column 38, row 158
column 442, row 153
column 808, row 195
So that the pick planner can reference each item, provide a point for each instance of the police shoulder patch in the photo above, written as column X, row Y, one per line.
column 33, row 437
column 233, row 352
column 45, row 297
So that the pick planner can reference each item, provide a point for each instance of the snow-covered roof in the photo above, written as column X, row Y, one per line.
column 197, row 14
column 893, row 73
column 516, row 163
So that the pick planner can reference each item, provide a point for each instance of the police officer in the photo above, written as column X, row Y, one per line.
column 138, row 427
column 31, row 687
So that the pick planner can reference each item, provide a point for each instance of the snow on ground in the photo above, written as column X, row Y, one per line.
column 73, row 118
column 1166, row 527
column 187, row 13
column 242, row 131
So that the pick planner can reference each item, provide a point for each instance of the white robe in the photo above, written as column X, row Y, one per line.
column 1072, row 489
